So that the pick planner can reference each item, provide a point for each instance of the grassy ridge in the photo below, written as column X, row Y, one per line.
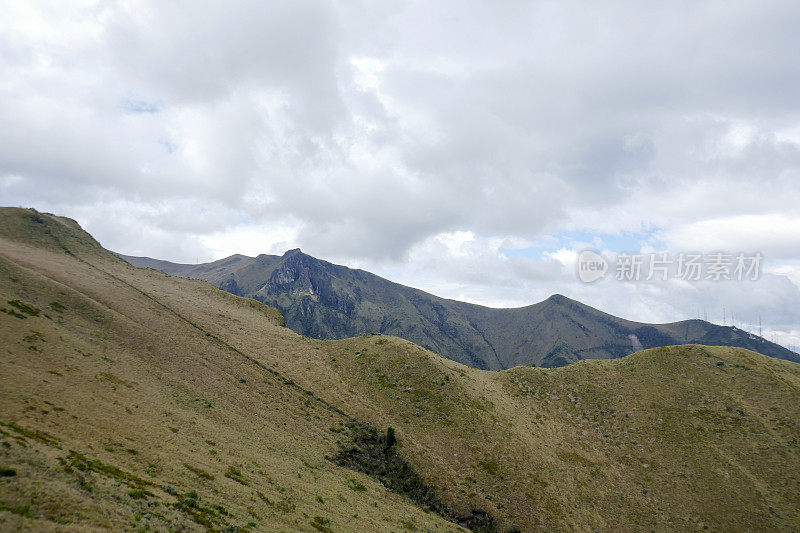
column 133, row 400
column 327, row 301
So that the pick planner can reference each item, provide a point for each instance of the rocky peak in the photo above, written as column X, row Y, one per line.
column 295, row 266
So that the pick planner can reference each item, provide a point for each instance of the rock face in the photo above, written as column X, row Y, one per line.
column 327, row 301
column 231, row 286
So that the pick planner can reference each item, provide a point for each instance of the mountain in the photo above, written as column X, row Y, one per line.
column 327, row 301
column 131, row 400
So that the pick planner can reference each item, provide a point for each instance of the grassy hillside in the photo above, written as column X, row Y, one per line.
column 130, row 400
column 328, row 301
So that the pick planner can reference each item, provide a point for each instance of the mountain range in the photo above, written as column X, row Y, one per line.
column 131, row 400
column 326, row 301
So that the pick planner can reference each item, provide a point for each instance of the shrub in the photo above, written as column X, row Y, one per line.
column 320, row 523
column 25, row 308
column 153, row 469
column 22, row 510
column 187, row 501
column 236, row 475
column 490, row 466
column 374, row 454
column 356, row 485
column 199, row 471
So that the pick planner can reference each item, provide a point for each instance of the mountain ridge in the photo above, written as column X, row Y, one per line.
column 133, row 400
column 323, row 300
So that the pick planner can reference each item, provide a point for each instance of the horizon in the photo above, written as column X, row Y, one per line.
column 317, row 265
column 553, row 295
column 380, row 138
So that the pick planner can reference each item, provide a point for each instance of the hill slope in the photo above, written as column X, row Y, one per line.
column 328, row 301
column 132, row 400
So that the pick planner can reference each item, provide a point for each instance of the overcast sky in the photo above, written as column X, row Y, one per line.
column 467, row 148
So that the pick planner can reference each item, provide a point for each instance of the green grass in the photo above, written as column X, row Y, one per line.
column 21, row 510
column 137, row 494
column 490, row 466
column 34, row 434
column 200, row 472
column 235, row 474
column 25, row 308
column 355, row 485
column 321, row 523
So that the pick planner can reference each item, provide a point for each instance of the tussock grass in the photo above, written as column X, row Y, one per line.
column 665, row 439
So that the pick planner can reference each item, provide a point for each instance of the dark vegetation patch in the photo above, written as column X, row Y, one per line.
column 375, row 455
column 137, row 494
column 209, row 516
column 236, row 475
column 189, row 503
column 321, row 523
column 22, row 510
column 24, row 308
column 35, row 336
column 12, row 312
column 40, row 436
column 285, row 505
column 490, row 466
column 355, row 485
column 479, row 521
column 153, row 469
column 78, row 461
column 199, row 471
column 114, row 380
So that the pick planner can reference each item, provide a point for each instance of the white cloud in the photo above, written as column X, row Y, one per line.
column 251, row 240
column 775, row 235
column 436, row 142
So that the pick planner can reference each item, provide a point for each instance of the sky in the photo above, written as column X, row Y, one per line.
column 471, row 149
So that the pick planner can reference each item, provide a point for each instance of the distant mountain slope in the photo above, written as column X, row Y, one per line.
column 327, row 301
column 135, row 401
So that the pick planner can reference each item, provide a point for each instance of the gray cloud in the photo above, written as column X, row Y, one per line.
column 366, row 131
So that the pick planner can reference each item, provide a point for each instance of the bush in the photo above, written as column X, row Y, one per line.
column 136, row 494
column 320, row 523
column 190, row 500
column 236, row 475
column 199, row 471
column 356, row 485
column 374, row 454
column 490, row 466
column 25, row 308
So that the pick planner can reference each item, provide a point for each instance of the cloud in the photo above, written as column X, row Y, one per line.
column 371, row 133
column 777, row 236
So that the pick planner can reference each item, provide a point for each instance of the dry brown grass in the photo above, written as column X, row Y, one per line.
column 149, row 374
